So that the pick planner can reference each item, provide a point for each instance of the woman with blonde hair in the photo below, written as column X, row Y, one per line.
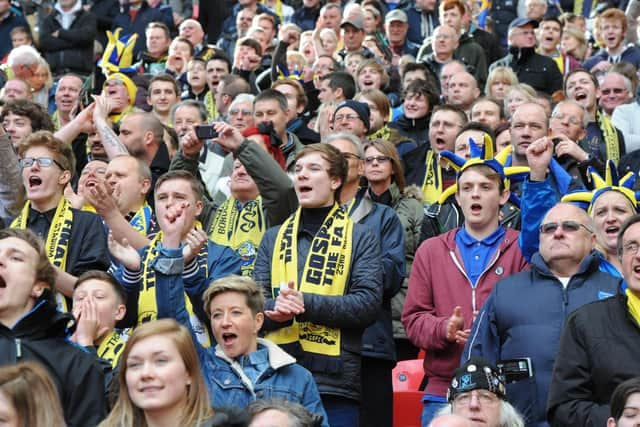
column 499, row 81
column 573, row 43
column 160, row 380
column 517, row 95
column 28, row 397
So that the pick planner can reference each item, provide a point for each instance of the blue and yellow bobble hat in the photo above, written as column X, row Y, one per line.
column 476, row 374
column 611, row 182
column 484, row 155
column 118, row 54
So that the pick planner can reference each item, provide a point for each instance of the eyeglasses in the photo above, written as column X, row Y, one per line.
column 615, row 90
column 245, row 113
column 43, row 162
column 483, row 396
column 380, row 159
column 630, row 248
column 443, row 37
column 349, row 117
column 351, row 156
column 566, row 226
column 572, row 120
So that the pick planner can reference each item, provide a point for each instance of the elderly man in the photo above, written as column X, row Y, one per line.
column 615, row 90
column 530, row 308
column 396, row 25
column 352, row 117
column 443, row 43
column 477, row 394
column 22, row 63
column 599, row 347
column 541, row 72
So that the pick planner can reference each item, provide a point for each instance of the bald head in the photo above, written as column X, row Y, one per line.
column 450, row 420
column 462, row 90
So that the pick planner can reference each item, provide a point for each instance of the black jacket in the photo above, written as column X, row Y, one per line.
column 598, row 350
column 415, row 129
column 541, row 72
column 40, row 336
column 72, row 50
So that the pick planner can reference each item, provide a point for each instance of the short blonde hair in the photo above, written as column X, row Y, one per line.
column 234, row 283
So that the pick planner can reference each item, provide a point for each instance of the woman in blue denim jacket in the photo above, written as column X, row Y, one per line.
column 242, row 367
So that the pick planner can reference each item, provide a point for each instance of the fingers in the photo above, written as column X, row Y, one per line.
column 457, row 312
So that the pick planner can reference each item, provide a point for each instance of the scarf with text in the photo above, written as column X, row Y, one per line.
column 432, row 185
column 111, row 347
column 326, row 270
column 240, row 228
column 147, row 308
column 57, row 244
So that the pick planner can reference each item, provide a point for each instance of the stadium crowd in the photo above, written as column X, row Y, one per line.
column 221, row 213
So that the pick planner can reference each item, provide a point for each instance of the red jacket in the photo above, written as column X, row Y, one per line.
column 437, row 284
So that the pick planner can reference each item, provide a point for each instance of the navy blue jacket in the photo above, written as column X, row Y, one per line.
column 12, row 21
column 414, row 15
column 306, row 18
column 524, row 317
column 631, row 55
column 144, row 16
column 377, row 341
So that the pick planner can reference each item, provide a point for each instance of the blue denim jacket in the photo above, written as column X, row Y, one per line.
column 227, row 382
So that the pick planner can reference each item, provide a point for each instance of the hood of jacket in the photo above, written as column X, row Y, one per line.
column 44, row 320
column 589, row 264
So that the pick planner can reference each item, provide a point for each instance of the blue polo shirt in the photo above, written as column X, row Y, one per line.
column 476, row 254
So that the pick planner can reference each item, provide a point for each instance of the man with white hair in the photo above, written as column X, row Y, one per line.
column 615, row 90
column 22, row 63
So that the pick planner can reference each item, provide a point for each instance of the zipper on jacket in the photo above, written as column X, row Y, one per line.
column 18, row 349
column 464, row 273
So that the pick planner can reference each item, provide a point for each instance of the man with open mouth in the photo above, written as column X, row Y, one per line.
column 438, row 312
column 75, row 240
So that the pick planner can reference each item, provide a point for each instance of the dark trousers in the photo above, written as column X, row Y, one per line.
column 377, row 393
column 342, row 412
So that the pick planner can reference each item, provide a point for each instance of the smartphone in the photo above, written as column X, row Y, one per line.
column 206, row 132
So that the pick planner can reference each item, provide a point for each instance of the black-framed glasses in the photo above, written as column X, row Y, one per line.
column 380, row 159
column 43, row 162
column 566, row 226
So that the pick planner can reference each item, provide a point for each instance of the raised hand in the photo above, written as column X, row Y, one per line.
column 124, row 253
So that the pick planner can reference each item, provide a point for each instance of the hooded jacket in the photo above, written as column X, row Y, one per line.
column 41, row 336
column 437, row 284
column 524, row 317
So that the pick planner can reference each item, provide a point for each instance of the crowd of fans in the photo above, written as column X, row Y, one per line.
column 245, row 214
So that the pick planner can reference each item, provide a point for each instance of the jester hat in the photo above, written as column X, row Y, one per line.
column 131, row 87
column 484, row 155
column 611, row 182
column 118, row 54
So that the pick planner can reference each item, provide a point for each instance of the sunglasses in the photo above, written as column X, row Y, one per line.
column 566, row 226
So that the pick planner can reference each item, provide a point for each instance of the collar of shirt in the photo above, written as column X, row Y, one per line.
column 490, row 240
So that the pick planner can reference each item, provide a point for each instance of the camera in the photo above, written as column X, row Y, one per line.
column 514, row 370
column 206, row 132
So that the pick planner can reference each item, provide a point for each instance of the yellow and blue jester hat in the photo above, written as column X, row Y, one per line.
column 118, row 54
column 484, row 155
column 611, row 182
